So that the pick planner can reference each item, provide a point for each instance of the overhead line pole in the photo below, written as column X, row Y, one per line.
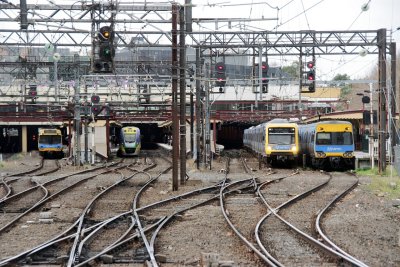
column 175, row 120
column 382, row 111
column 182, row 90
column 198, row 107
column 393, row 93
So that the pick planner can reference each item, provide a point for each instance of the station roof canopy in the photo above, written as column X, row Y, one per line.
column 342, row 115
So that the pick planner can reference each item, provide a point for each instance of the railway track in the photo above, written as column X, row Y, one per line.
column 128, row 214
column 284, row 242
column 56, row 192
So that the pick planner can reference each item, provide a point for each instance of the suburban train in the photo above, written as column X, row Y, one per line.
column 129, row 141
column 276, row 140
column 328, row 144
column 50, row 142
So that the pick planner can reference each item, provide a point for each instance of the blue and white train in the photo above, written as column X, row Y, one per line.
column 328, row 144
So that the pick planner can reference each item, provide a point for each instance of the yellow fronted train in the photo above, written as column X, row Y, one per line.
column 328, row 144
column 275, row 141
column 50, row 142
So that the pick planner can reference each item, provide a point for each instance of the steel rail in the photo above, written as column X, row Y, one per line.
column 75, row 251
column 121, row 238
column 7, row 189
column 89, row 237
column 307, row 237
column 15, row 219
column 323, row 212
column 59, row 238
column 136, row 235
column 55, row 180
column 28, row 171
column 51, row 170
column 170, row 217
column 238, row 233
column 258, row 224
column 62, row 236
column 139, row 224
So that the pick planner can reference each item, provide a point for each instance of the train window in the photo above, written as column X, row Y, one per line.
column 335, row 138
column 323, row 138
column 283, row 136
column 50, row 139
column 342, row 138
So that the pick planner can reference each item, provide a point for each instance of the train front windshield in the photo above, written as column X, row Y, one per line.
column 130, row 138
column 50, row 139
column 281, row 136
column 335, row 138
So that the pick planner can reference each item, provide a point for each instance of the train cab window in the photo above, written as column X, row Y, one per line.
column 323, row 139
column 342, row 138
column 335, row 138
column 50, row 139
column 283, row 136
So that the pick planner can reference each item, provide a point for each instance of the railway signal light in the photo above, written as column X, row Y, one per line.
column 311, row 88
column 96, row 109
column 220, row 76
column 95, row 99
column 311, row 75
column 191, row 74
column 32, row 92
column 264, row 77
column 103, row 63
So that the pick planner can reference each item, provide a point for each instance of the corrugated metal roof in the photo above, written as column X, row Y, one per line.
column 355, row 115
column 324, row 92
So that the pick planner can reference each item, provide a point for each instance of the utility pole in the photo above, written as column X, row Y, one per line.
column 182, row 90
column 198, row 107
column 382, row 111
column 371, row 128
column 300, row 82
column 207, row 150
column 77, row 123
column 260, row 71
column 393, row 94
column 175, row 120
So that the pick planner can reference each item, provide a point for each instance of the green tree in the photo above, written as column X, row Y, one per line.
column 345, row 88
column 292, row 70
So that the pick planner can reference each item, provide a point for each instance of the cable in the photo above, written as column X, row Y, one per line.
column 362, row 10
column 283, row 23
column 305, row 15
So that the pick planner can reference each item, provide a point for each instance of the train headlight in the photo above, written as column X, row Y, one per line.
column 320, row 155
column 294, row 149
column 348, row 154
column 269, row 148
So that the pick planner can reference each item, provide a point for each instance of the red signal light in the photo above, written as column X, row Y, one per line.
column 310, row 76
column 220, row 67
column 310, row 64
column 95, row 99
